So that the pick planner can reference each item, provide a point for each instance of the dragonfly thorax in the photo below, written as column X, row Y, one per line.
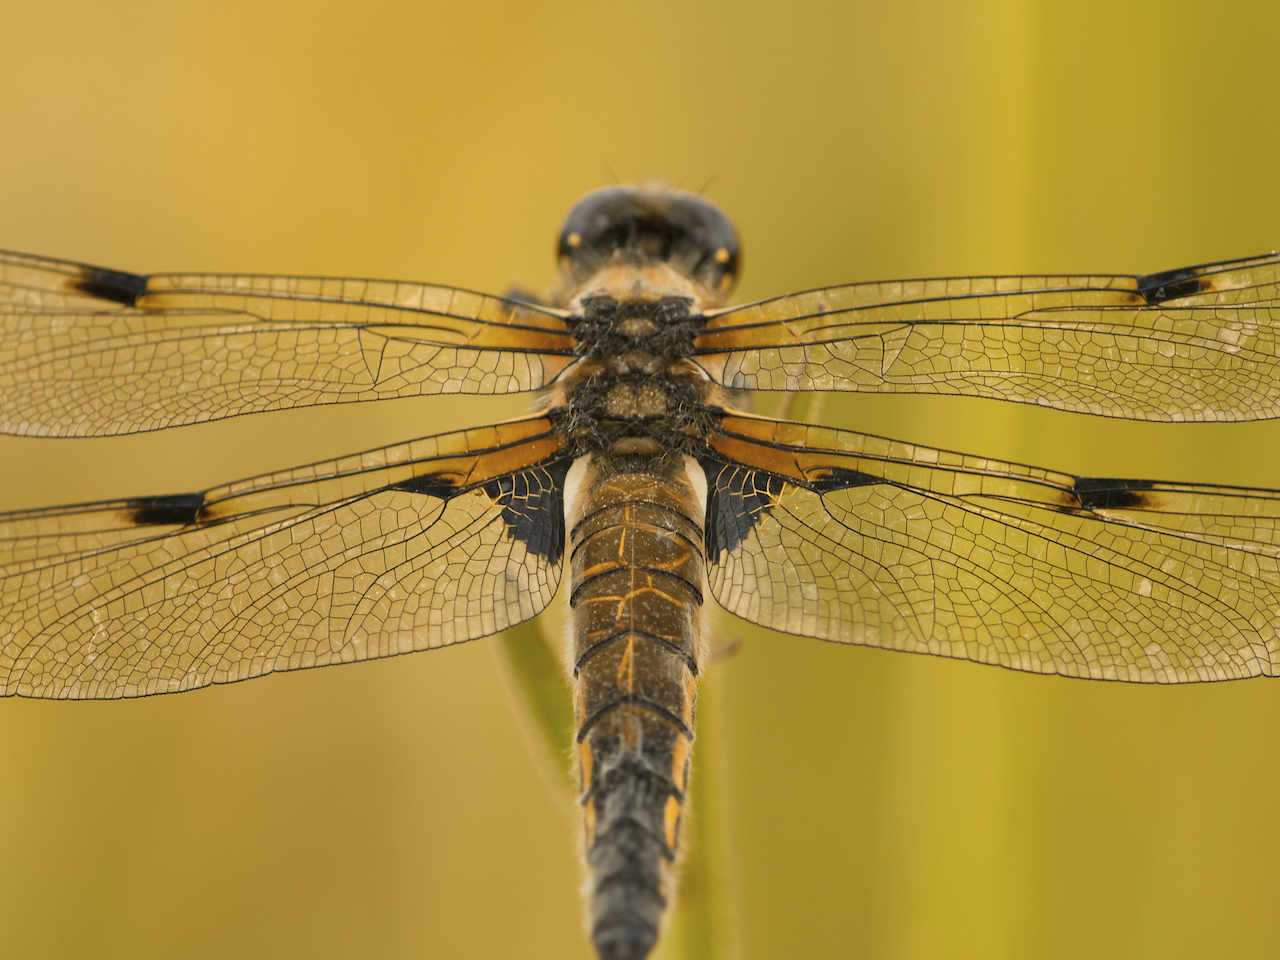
column 635, row 390
column 621, row 332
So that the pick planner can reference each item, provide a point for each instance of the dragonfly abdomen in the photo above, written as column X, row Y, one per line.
column 638, row 572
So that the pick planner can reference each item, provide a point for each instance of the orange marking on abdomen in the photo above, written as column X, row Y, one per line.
column 586, row 764
column 671, row 821
column 679, row 763
column 589, row 821
column 628, row 665
column 690, row 696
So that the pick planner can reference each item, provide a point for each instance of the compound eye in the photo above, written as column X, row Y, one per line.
column 649, row 223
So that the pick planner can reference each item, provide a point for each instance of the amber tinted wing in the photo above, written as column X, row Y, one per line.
column 86, row 351
column 863, row 540
column 410, row 547
column 1192, row 344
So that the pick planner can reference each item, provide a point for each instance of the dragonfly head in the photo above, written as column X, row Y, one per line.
column 641, row 224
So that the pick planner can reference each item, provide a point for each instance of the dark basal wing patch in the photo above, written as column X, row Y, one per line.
column 180, row 509
column 736, row 498
column 532, row 504
column 1103, row 493
column 114, row 285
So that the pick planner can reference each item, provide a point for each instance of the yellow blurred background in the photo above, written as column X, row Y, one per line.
column 877, row 805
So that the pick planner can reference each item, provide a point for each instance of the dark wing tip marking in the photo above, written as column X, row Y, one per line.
column 1104, row 493
column 182, row 509
column 114, row 285
column 1171, row 284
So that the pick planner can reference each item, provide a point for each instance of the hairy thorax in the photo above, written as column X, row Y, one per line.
column 634, row 391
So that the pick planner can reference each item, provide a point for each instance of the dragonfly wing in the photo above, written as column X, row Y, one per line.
column 862, row 540
column 411, row 547
column 86, row 351
column 1199, row 343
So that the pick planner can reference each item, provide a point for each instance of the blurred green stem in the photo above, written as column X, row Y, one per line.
column 547, row 705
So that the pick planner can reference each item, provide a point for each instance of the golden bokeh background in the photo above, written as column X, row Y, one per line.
column 876, row 805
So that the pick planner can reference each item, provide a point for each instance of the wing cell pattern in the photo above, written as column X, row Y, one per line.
column 876, row 542
column 1195, row 344
column 77, row 358
column 373, row 555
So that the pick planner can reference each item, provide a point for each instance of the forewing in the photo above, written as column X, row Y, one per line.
column 863, row 540
column 410, row 547
column 86, row 351
column 1193, row 344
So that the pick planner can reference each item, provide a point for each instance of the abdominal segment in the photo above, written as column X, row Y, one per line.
column 637, row 567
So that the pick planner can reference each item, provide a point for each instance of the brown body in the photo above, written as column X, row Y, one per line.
column 637, row 572
column 635, row 509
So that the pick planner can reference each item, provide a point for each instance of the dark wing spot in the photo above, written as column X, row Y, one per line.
column 114, row 285
column 181, row 509
column 736, row 499
column 532, row 504
column 1171, row 284
column 1101, row 493
column 838, row 478
column 431, row 485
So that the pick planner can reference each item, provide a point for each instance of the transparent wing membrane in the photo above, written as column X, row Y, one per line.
column 1193, row 344
column 86, row 351
column 858, row 539
column 415, row 546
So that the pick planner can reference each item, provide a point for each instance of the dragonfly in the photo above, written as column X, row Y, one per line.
column 642, row 472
